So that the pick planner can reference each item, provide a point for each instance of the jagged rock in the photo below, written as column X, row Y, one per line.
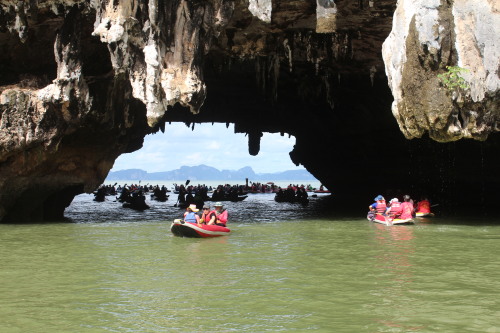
column 83, row 82
column 427, row 36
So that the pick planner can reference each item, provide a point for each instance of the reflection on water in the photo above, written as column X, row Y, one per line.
column 284, row 268
column 397, row 248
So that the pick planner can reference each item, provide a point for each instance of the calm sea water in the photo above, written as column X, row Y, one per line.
column 284, row 268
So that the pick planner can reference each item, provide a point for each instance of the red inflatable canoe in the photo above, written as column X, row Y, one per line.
column 387, row 221
column 186, row 229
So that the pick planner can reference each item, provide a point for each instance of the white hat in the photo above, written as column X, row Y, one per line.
column 193, row 208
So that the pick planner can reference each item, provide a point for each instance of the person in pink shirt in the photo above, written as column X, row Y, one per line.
column 221, row 215
column 407, row 210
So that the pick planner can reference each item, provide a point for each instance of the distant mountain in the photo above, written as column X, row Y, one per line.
column 205, row 172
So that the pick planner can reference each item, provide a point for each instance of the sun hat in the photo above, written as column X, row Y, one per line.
column 379, row 197
column 394, row 200
column 193, row 208
column 218, row 204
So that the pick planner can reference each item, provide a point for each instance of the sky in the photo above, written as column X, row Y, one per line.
column 212, row 145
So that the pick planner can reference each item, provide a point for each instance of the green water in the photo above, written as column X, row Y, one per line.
column 328, row 275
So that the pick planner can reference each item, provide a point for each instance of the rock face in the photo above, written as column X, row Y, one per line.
column 83, row 82
column 426, row 37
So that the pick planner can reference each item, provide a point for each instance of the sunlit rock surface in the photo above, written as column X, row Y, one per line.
column 427, row 36
column 82, row 82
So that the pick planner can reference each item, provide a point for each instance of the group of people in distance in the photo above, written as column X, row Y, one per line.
column 217, row 216
column 398, row 210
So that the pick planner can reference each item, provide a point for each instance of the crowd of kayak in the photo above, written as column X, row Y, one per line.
column 134, row 196
column 398, row 212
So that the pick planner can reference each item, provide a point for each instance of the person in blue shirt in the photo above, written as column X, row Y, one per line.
column 190, row 214
column 378, row 207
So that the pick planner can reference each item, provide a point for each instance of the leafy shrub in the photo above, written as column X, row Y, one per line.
column 453, row 80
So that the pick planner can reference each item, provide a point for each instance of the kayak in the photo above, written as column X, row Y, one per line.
column 302, row 200
column 322, row 191
column 161, row 198
column 386, row 221
column 234, row 199
column 424, row 214
column 185, row 229
column 136, row 206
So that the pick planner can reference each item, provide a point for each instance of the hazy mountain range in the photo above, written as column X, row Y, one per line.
column 204, row 172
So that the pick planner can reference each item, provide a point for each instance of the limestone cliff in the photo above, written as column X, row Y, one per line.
column 426, row 37
column 82, row 82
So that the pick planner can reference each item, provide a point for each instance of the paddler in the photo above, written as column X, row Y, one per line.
column 395, row 209
column 190, row 215
column 424, row 206
column 221, row 215
column 378, row 207
column 208, row 216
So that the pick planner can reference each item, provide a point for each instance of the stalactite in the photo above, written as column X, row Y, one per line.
column 288, row 54
column 254, row 142
column 308, row 48
column 329, row 91
column 273, row 75
column 335, row 46
column 373, row 70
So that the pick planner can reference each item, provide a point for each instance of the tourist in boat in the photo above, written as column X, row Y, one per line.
column 423, row 206
column 208, row 216
column 301, row 195
column 181, row 198
column 221, row 215
column 407, row 210
column 190, row 215
column 378, row 207
column 394, row 210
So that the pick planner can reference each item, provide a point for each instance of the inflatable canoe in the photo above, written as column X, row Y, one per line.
column 424, row 214
column 386, row 221
column 185, row 229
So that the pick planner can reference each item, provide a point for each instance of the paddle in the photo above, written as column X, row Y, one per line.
column 187, row 182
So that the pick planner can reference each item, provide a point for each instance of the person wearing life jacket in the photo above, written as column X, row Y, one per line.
column 221, row 215
column 190, row 215
column 394, row 210
column 407, row 210
column 208, row 216
column 379, row 206
column 423, row 206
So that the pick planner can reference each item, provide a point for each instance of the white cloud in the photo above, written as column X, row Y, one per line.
column 214, row 145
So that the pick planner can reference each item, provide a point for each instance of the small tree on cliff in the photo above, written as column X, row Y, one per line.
column 453, row 80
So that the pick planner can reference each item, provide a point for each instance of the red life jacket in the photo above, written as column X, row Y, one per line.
column 424, row 206
column 396, row 208
column 381, row 207
column 208, row 216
